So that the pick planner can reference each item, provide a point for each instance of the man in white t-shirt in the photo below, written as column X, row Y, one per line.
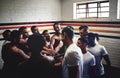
column 72, row 64
column 99, row 52
column 88, row 59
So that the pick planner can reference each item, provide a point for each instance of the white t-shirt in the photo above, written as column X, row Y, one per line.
column 73, row 57
column 98, row 51
column 88, row 61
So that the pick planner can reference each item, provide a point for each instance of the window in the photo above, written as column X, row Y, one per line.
column 92, row 9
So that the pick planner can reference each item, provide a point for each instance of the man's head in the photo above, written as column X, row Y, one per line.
column 6, row 34
column 15, row 36
column 23, row 31
column 91, row 39
column 82, row 43
column 46, row 35
column 83, row 30
column 35, row 43
column 35, row 30
column 56, row 27
column 67, row 34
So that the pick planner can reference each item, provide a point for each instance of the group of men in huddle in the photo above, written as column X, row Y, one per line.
column 57, row 56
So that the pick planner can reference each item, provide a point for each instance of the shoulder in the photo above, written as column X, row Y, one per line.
column 7, row 46
column 53, row 36
column 99, row 45
column 90, row 54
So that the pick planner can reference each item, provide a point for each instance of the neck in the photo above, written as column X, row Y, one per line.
column 69, row 42
column 84, row 50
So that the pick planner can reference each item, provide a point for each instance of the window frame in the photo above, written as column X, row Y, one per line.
column 98, row 10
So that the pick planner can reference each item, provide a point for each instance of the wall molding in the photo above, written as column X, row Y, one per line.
column 100, row 24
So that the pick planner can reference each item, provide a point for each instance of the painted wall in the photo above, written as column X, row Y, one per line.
column 12, row 11
column 29, row 10
column 67, row 11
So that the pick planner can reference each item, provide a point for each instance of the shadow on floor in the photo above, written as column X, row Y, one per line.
column 111, row 72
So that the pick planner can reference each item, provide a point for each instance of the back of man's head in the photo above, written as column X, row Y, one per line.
column 69, row 31
column 35, row 43
column 21, row 29
column 84, row 40
column 84, row 27
column 91, row 39
column 32, row 29
column 15, row 36
column 6, row 34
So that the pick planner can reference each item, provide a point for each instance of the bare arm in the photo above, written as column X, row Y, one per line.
column 59, row 46
column 48, row 51
column 19, row 51
column 45, row 50
column 23, row 41
column 107, row 59
column 52, row 41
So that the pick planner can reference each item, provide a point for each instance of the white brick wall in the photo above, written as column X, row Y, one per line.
column 67, row 11
column 29, row 10
column 112, row 46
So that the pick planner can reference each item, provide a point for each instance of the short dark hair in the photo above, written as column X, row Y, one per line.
column 32, row 28
column 15, row 35
column 5, row 34
column 21, row 29
column 69, row 31
column 84, row 27
column 71, row 27
column 44, row 31
column 84, row 40
column 55, row 24
column 91, row 35
column 36, row 43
